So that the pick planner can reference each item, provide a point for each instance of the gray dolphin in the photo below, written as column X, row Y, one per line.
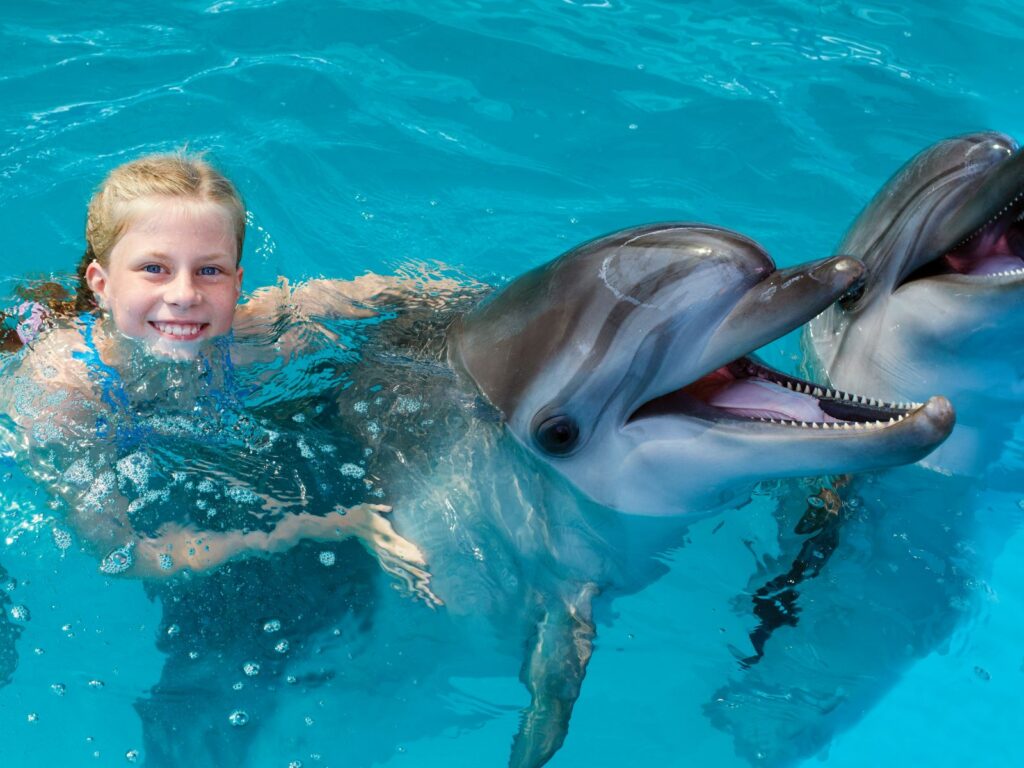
column 626, row 359
column 543, row 445
column 939, row 310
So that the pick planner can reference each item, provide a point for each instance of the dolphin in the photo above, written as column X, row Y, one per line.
column 938, row 310
column 543, row 444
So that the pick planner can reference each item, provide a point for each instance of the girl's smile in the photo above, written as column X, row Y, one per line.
column 172, row 279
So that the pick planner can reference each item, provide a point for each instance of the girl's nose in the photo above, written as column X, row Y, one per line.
column 182, row 290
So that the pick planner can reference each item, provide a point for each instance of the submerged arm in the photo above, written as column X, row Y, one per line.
column 176, row 548
column 360, row 297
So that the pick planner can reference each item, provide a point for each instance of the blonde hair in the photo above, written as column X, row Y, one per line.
column 114, row 205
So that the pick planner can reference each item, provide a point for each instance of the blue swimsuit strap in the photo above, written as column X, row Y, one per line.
column 112, row 390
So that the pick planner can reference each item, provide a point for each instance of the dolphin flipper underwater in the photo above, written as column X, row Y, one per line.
column 940, row 310
column 542, row 446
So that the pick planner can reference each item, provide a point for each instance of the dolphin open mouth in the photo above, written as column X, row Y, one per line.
column 995, row 250
column 748, row 390
column 984, row 232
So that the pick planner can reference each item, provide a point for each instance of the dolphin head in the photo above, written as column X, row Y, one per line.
column 625, row 365
column 941, row 307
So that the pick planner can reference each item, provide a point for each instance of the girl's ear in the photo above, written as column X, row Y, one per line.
column 97, row 280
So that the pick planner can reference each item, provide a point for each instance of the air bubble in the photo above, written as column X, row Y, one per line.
column 32, row 717
column 238, row 686
column 96, row 684
column 238, row 718
column 59, row 688
column 173, row 631
column 406, row 404
column 61, row 538
column 327, row 558
column 132, row 755
column 242, row 495
column 166, row 563
column 272, row 626
column 118, row 561
column 79, row 473
column 282, row 647
column 349, row 469
column 20, row 613
column 251, row 668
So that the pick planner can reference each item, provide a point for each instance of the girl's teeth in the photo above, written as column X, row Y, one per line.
column 177, row 330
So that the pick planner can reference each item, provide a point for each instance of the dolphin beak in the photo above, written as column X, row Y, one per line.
column 783, row 301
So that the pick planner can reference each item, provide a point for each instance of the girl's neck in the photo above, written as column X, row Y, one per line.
column 146, row 374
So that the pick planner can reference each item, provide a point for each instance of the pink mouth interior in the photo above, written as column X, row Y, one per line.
column 989, row 254
column 756, row 398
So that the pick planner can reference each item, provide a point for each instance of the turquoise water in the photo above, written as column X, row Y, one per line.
column 490, row 137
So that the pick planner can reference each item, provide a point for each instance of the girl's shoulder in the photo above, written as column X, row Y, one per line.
column 57, row 357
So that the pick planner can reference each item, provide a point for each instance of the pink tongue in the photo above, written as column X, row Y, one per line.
column 756, row 398
column 994, row 264
column 988, row 257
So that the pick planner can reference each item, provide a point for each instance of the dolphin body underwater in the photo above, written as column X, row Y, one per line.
column 543, row 446
column 939, row 310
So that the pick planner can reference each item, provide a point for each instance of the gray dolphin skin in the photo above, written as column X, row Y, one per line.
column 940, row 309
column 626, row 402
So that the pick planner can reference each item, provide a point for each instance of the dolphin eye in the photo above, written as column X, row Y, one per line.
column 557, row 435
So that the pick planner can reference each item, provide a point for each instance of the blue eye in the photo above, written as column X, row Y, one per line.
column 153, row 269
column 208, row 271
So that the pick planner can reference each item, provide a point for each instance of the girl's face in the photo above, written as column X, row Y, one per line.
column 172, row 280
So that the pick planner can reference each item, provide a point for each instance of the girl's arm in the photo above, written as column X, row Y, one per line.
column 176, row 548
column 360, row 297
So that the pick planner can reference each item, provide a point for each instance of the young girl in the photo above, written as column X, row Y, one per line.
column 146, row 354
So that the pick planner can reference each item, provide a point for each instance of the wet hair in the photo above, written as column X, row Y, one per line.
column 115, row 204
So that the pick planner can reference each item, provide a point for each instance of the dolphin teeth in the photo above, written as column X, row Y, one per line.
column 815, row 425
column 818, row 392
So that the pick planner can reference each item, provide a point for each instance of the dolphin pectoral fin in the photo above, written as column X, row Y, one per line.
column 553, row 672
